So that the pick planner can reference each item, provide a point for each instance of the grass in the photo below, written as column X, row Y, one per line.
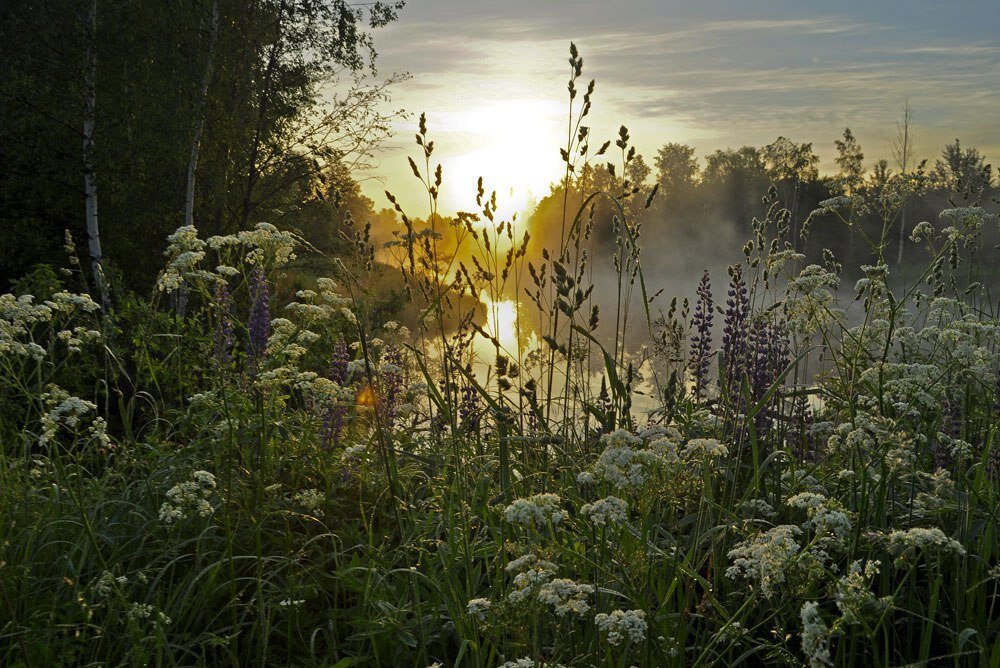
column 815, row 482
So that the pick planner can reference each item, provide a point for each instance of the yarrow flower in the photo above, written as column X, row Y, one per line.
column 311, row 500
column 765, row 558
column 535, row 510
column 623, row 463
column 628, row 625
column 705, row 448
column 479, row 607
column 906, row 542
column 565, row 596
column 610, row 510
column 191, row 497
column 815, row 636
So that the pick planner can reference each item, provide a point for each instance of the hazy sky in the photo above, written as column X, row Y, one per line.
column 491, row 77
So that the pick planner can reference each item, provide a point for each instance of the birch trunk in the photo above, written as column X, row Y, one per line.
column 89, row 171
column 199, row 125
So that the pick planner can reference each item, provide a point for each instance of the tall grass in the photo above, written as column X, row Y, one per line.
column 812, row 477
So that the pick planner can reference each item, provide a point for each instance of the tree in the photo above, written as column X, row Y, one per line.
column 964, row 172
column 790, row 165
column 207, row 112
column 850, row 159
column 676, row 169
column 902, row 151
column 736, row 179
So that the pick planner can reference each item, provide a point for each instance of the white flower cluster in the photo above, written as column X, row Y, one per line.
column 186, row 251
column 189, row 497
column 815, row 636
column 141, row 612
column 353, row 453
column 65, row 411
column 754, row 508
column 74, row 339
column 853, row 594
column 19, row 314
column 701, row 449
column 904, row 542
column 623, row 463
column 610, row 510
column 479, row 607
column 622, row 625
column 106, row 584
column 764, row 560
column 826, row 517
column 532, row 573
column 565, row 596
column 810, row 301
column 536, row 510
column 311, row 500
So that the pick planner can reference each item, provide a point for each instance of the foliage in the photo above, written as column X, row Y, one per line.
column 261, row 480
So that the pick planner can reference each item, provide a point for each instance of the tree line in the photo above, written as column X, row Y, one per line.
column 120, row 121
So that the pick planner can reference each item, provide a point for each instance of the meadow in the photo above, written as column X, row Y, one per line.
column 255, row 465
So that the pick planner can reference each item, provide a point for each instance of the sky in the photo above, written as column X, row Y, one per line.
column 491, row 77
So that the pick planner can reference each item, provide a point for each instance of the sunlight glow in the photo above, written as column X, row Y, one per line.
column 514, row 148
column 501, row 322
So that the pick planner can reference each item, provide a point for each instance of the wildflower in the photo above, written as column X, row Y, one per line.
column 705, row 448
column 531, row 573
column 621, row 625
column 701, row 340
column 853, row 595
column 260, row 313
column 565, row 596
column 610, row 510
column 765, row 558
column 353, row 453
column 478, row 607
column 826, row 516
column 107, row 583
column 311, row 500
column 63, row 411
column 623, row 463
column 535, row 510
column 907, row 541
column 189, row 497
column 752, row 508
column 815, row 636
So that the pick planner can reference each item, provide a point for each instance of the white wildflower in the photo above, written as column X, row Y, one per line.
column 479, row 607
column 815, row 636
column 764, row 560
column 609, row 510
column 565, row 596
column 535, row 510
column 622, row 625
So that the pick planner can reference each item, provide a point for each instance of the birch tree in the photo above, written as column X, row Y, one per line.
column 89, row 170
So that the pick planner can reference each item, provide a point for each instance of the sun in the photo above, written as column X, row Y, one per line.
column 514, row 147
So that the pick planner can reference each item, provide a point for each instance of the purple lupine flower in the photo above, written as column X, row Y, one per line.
column 701, row 340
column 734, row 332
column 767, row 355
column 335, row 417
column 392, row 382
column 469, row 408
column 223, row 335
column 260, row 314
column 338, row 362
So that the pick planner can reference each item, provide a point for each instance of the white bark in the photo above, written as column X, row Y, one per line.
column 199, row 125
column 89, row 171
